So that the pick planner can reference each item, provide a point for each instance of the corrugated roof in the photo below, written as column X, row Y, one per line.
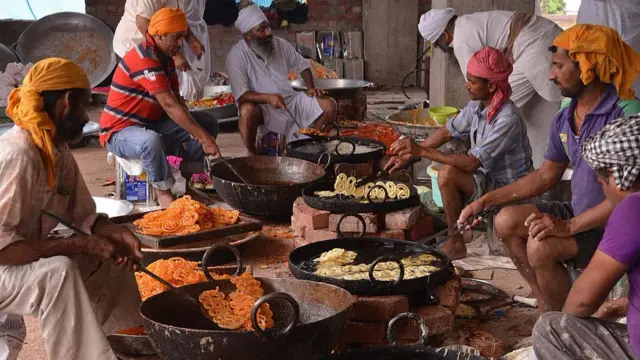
column 36, row 9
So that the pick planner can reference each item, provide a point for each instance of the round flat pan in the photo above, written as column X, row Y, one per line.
column 302, row 266
column 78, row 37
column 342, row 205
column 313, row 149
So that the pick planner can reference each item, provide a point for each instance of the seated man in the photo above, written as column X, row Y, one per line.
column 614, row 153
column 258, row 68
column 500, row 151
column 540, row 236
column 145, row 117
column 71, row 285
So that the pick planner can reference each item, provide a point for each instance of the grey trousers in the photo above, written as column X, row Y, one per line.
column 562, row 336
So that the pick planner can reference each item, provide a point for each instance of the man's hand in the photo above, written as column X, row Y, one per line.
column 397, row 163
column 468, row 212
column 210, row 147
column 196, row 46
column 542, row 226
column 118, row 243
column 406, row 147
column 315, row 92
column 276, row 100
column 613, row 309
column 181, row 63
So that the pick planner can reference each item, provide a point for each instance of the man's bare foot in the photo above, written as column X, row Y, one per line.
column 454, row 248
column 165, row 197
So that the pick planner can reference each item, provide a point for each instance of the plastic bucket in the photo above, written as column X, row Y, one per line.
column 441, row 114
column 432, row 171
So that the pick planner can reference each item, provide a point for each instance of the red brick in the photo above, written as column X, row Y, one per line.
column 403, row 219
column 390, row 234
column 488, row 345
column 309, row 217
column 449, row 294
column 424, row 227
column 312, row 236
column 364, row 332
column 298, row 229
column 379, row 308
column 353, row 225
column 439, row 320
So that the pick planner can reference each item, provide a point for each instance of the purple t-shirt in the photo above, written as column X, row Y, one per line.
column 621, row 241
column 564, row 145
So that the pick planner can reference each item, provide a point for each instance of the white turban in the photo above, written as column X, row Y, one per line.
column 433, row 23
column 250, row 17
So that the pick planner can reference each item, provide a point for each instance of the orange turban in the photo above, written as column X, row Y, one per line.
column 26, row 106
column 601, row 52
column 168, row 20
column 493, row 65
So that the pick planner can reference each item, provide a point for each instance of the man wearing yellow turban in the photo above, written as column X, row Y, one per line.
column 58, row 281
column 145, row 118
column 595, row 68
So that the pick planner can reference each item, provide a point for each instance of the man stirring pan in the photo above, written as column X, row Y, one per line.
column 258, row 68
column 500, row 152
column 594, row 67
column 71, row 285
column 145, row 117
column 614, row 153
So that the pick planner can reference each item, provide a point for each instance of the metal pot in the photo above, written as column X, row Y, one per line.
column 219, row 112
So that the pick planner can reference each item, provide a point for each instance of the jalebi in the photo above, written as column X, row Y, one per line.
column 402, row 191
column 233, row 311
column 177, row 271
column 185, row 216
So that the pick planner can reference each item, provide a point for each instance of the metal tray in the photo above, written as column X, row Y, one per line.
column 332, row 84
column 316, row 150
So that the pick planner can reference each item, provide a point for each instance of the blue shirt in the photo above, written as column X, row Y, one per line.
column 502, row 147
column 564, row 145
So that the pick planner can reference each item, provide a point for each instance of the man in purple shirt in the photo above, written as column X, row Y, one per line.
column 542, row 235
column 615, row 154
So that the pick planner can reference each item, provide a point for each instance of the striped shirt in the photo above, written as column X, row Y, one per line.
column 502, row 147
column 142, row 73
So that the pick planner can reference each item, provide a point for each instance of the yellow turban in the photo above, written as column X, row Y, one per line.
column 26, row 106
column 601, row 52
column 168, row 20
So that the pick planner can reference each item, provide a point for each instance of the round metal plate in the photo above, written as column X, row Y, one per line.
column 331, row 84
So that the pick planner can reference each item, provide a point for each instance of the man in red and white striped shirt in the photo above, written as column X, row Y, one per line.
column 145, row 118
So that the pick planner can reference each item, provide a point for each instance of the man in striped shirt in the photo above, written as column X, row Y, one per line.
column 145, row 118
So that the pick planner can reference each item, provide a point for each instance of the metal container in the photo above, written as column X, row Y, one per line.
column 219, row 112
column 332, row 84
column 146, row 197
column 7, row 56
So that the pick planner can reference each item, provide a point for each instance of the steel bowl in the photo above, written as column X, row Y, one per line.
column 78, row 37
column 332, row 84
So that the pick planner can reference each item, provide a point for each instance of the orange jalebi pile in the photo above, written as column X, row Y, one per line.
column 185, row 216
column 233, row 311
column 318, row 71
column 177, row 271
column 383, row 133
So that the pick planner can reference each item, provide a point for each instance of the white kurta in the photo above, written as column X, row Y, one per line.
column 533, row 93
column 622, row 15
column 192, row 82
column 248, row 72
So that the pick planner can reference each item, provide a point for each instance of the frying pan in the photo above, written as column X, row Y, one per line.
column 343, row 204
column 417, row 351
column 275, row 183
column 370, row 250
column 313, row 322
column 344, row 151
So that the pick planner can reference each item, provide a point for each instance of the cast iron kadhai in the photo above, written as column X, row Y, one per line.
column 352, row 150
column 372, row 251
column 346, row 204
column 178, row 330
column 417, row 351
column 274, row 183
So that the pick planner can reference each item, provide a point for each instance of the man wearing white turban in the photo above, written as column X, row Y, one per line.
column 525, row 40
column 258, row 68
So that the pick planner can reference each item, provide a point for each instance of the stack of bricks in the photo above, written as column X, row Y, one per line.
column 370, row 317
column 311, row 225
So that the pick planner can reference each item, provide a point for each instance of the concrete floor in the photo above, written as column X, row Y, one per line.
column 269, row 255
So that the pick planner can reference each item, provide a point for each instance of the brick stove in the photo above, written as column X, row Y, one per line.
column 370, row 316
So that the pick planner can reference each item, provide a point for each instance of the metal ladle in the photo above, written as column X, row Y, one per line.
column 208, row 165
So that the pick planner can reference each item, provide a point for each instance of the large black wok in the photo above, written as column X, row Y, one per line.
column 417, row 351
column 274, row 183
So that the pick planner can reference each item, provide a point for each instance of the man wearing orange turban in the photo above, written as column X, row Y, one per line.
column 500, row 151
column 145, row 118
column 595, row 68
column 59, row 280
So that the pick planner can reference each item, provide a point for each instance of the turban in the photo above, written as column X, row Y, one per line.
column 168, row 20
column 493, row 65
column 249, row 17
column 601, row 53
column 616, row 147
column 26, row 106
column 433, row 23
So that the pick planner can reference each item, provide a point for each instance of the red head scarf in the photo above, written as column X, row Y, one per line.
column 493, row 65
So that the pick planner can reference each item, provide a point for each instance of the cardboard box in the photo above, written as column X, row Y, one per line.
column 354, row 69
column 306, row 44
